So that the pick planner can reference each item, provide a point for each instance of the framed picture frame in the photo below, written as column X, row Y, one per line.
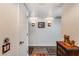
column 5, row 48
column 41, row 24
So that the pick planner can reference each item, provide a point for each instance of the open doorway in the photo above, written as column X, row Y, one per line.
column 44, row 27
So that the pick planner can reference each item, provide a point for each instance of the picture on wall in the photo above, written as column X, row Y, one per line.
column 41, row 24
column 6, row 46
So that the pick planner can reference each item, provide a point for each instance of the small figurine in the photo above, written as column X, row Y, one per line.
column 72, row 43
column 67, row 39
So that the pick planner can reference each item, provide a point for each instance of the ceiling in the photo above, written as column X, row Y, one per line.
column 42, row 10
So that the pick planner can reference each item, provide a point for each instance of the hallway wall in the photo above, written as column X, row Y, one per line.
column 45, row 36
column 13, row 24
column 70, row 21
column 23, row 30
column 9, row 27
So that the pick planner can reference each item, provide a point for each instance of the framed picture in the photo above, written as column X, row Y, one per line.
column 5, row 48
column 41, row 24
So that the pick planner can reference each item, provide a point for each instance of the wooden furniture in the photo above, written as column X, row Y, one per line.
column 65, row 49
column 40, row 52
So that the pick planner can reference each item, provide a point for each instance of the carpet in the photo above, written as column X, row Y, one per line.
column 39, row 52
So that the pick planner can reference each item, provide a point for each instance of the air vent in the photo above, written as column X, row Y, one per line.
column 58, row 17
column 60, row 5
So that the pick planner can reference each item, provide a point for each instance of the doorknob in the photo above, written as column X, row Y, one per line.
column 21, row 42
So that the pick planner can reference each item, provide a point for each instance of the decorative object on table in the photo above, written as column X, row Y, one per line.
column 67, row 39
column 6, row 46
column 41, row 24
column 72, row 43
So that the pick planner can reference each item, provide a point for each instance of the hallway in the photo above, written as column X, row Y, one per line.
column 39, row 29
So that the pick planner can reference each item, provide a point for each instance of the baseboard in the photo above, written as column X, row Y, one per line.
column 42, row 46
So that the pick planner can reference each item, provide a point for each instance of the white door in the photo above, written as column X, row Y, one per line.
column 23, row 43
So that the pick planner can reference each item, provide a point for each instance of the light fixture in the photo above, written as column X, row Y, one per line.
column 33, row 20
column 49, row 21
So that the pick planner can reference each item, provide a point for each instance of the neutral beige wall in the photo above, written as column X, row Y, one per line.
column 9, row 27
column 14, row 25
column 70, row 21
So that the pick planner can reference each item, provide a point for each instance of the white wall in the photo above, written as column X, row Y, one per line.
column 70, row 21
column 45, row 36
column 23, row 24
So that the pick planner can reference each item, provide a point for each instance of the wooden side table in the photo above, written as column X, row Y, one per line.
column 64, row 49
